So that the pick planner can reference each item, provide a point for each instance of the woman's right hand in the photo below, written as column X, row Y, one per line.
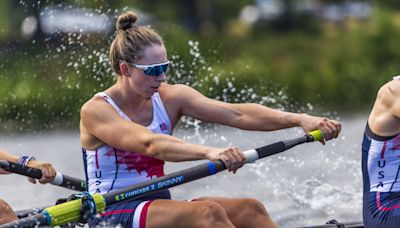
column 232, row 157
column 48, row 172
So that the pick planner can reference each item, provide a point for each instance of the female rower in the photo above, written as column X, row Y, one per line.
column 381, row 160
column 7, row 214
column 126, row 137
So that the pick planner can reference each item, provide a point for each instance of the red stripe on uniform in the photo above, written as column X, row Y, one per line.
column 383, row 150
column 97, row 159
column 143, row 215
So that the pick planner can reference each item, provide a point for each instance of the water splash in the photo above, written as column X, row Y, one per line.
column 199, row 74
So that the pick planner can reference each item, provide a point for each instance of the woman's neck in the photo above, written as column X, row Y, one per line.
column 123, row 95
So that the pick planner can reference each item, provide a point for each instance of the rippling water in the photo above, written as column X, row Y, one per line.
column 308, row 184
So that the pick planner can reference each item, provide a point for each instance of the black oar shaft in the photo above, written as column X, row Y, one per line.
column 20, row 169
column 31, row 221
column 281, row 146
column 29, row 212
column 60, row 180
column 338, row 225
column 73, row 183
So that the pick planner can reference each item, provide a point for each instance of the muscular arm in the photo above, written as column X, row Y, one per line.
column 247, row 116
column 108, row 127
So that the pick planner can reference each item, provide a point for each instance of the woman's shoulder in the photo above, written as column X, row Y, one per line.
column 177, row 95
column 92, row 104
column 92, row 100
column 174, row 86
column 174, row 90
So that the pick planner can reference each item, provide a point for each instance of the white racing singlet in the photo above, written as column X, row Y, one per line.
column 108, row 168
column 384, row 164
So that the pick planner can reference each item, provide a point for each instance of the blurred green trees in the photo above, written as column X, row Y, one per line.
column 337, row 66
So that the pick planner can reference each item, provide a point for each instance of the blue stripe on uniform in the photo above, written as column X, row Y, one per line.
column 116, row 170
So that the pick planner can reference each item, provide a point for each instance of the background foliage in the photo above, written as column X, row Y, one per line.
column 287, row 63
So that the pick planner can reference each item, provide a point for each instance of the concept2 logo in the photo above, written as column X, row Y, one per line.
column 153, row 187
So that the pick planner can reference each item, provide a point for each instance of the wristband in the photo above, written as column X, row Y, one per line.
column 23, row 160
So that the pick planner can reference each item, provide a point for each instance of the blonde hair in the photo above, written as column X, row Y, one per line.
column 130, row 41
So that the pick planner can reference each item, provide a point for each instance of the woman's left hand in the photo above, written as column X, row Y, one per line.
column 330, row 128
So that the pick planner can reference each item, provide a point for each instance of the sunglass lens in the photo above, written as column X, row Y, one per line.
column 150, row 71
column 165, row 67
column 156, row 70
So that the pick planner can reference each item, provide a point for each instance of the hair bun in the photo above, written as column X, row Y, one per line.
column 126, row 21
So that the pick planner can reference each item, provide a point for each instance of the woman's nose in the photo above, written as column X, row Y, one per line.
column 162, row 77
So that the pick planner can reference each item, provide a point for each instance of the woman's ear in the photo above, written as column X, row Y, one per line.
column 124, row 69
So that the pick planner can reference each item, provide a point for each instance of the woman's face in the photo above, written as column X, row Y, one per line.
column 147, row 85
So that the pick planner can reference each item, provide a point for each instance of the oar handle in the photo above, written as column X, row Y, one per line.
column 59, row 180
column 316, row 135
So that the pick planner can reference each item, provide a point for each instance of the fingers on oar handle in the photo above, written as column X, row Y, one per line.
column 317, row 135
column 36, row 173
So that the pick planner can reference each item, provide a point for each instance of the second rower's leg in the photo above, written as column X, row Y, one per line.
column 7, row 214
column 201, row 214
column 244, row 212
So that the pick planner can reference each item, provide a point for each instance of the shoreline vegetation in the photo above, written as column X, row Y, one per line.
column 335, row 67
